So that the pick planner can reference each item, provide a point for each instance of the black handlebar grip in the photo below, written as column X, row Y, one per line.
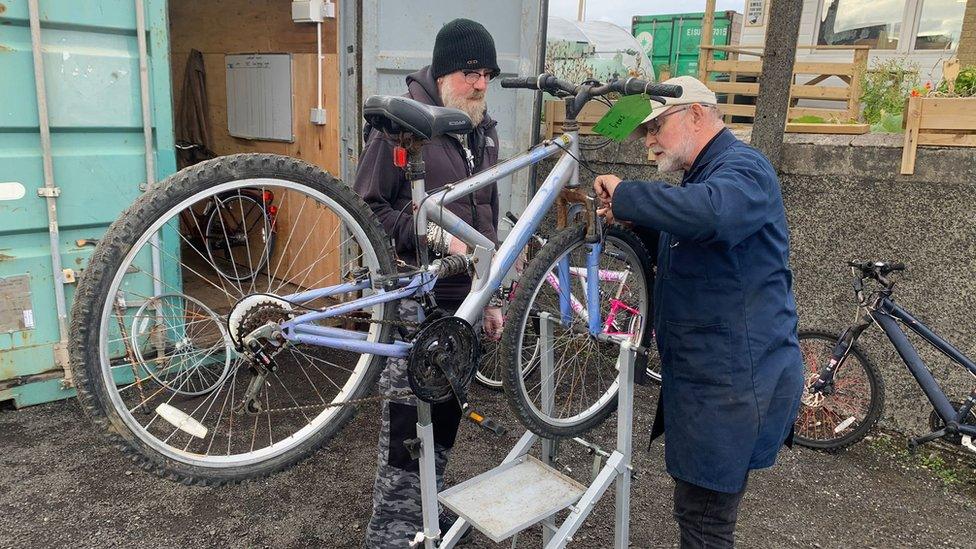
column 526, row 82
column 897, row 266
column 635, row 86
column 511, row 217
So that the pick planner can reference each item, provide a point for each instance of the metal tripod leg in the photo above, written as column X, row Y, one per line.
column 617, row 468
column 545, row 375
column 428, row 477
column 625, row 416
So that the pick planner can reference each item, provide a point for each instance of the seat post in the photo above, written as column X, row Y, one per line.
column 416, row 172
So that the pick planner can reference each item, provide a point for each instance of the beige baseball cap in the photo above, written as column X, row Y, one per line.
column 692, row 91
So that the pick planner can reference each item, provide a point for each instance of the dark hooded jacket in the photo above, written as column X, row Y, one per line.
column 386, row 189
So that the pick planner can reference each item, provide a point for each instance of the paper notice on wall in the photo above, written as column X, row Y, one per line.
column 16, row 309
column 755, row 13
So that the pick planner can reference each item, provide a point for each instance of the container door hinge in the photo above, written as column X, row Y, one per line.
column 61, row 360
column 49, row 192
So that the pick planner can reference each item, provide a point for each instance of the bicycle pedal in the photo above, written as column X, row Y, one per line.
column 485, row 423
column 967, row 442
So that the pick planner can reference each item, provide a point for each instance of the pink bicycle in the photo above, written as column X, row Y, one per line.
column 626, row 309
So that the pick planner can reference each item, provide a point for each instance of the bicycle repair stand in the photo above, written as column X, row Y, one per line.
column 524, row 491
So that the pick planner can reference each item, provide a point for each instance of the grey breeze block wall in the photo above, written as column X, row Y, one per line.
column 846, row 200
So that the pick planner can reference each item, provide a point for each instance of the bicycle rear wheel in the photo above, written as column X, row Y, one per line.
column 585, row 376
column 845, row 412
column 155, row 367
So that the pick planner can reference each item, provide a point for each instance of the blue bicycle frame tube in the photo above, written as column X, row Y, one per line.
column 921, row 329
column 519, row 236
column 423, row 282
column 396, row 349
column 565, row 291
column 593, row 288
column 885, row 318
column 312, row 295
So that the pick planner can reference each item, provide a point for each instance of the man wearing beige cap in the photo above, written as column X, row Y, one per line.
column 725, row 319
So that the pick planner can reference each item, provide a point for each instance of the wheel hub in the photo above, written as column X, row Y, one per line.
column 253, row 313
column 813, row 400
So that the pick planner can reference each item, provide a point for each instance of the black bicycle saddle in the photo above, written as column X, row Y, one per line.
column 395, row 114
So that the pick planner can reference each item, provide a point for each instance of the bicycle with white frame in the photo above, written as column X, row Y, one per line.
column 207, row 380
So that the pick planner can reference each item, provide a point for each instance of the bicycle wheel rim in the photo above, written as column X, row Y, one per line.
column 257, row 227
column 357, row 373
column 570, row 383
column 833, row 421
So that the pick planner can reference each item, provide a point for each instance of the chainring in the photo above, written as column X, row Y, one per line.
column 936, row 423
column 443, row 360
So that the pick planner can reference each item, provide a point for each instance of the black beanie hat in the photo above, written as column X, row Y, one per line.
column 463, row 44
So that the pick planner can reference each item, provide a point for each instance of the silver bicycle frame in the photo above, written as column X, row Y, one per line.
column 497, row 264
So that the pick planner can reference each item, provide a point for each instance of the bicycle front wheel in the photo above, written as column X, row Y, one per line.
column 584, row 377
column 153, row 353
column 845, row 411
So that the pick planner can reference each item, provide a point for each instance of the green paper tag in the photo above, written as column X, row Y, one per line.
column 624, row 117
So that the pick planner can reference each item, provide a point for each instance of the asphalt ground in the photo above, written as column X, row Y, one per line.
column 62, row 485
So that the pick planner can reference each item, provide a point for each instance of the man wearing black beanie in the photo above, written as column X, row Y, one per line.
column 464, row 61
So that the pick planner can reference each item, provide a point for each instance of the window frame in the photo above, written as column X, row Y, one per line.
column 909, row 23
column 917, row 21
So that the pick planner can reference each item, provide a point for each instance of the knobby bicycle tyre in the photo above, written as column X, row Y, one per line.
column 838, row 420
column 116, row 259
column 576, row 354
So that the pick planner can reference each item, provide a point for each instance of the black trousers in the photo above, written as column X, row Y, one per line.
column 706, row 518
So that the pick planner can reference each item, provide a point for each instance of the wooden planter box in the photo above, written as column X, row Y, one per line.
column 942, row 121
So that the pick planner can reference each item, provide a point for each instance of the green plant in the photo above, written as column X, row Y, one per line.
column 886, row 86
column 889, row 123
column 965, row 83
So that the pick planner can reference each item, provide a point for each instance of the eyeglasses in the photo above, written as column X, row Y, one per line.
column 472, row 77
column 654, row 126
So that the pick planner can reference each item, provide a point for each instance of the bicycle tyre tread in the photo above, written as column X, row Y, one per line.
column 533, row 275
column 104, row 264
column 875, row 409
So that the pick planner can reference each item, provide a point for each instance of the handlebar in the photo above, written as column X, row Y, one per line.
column 555, row 86
column 869, row 268
column 876, row 270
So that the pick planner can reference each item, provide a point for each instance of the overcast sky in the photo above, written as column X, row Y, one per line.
column 620, row 12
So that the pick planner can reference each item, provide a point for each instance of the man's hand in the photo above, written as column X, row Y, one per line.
column 605, row 186
column 607, row 215
column 457, row 247
column 492, row 322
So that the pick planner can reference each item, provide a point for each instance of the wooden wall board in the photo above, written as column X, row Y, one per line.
column 220, row 27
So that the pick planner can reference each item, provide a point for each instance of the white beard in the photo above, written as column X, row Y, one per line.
column 473, row 105
column 672, row 161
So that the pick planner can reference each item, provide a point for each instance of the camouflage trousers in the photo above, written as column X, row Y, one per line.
column 397, row 514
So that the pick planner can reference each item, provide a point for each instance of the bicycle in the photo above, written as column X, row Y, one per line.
column 621, row 316
column 304, row 340
column 844, row 394
column 237, row 229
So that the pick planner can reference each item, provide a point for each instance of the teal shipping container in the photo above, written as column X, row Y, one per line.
column 73, row 155
column 673, row 39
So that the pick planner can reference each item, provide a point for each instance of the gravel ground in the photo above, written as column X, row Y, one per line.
column 61, row 485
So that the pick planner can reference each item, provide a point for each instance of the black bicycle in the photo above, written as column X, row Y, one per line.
column 235, row 231
column 844, row 393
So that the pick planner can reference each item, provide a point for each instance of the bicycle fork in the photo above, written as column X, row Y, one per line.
column 824, row 384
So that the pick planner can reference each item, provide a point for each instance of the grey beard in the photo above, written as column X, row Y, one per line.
column 668, row 163
column 475, row 109
column 671, row 162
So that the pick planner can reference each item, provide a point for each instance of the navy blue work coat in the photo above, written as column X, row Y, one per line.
column 725, row 318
